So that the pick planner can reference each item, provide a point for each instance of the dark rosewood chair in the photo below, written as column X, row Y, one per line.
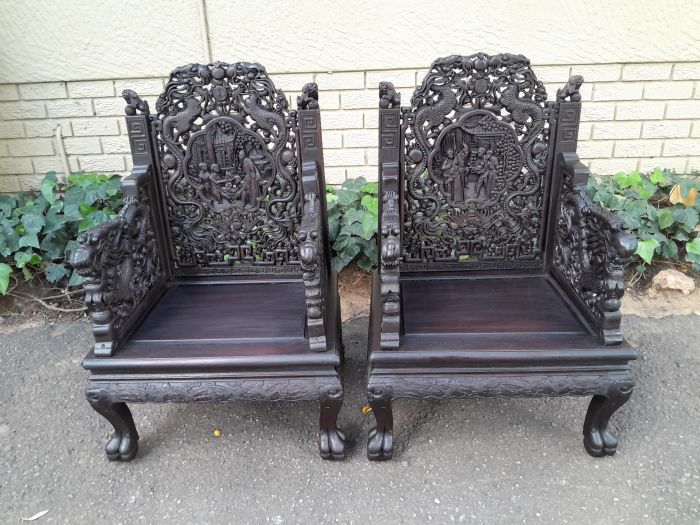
column 497, row 275
column 214, row 283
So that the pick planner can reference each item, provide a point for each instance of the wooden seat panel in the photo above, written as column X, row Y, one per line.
column 529, row 304
column 190, row 312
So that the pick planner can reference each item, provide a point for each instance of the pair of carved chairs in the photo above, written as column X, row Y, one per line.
column 497, row 276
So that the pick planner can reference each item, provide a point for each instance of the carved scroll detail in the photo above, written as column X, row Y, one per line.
column 174, row 391
column 310, row 248
column 120, row 263
column 592, row 249
column 485, row 385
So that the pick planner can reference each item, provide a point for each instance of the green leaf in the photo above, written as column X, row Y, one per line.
column 5, row 271
column 371, row 203
column 632, row 179
column 658, row 177
column 646, row 248
column 669, row 250
column 347, row 198
column 353, row 215
column 665, row 218
column 56, row 272
column 29, row 240
column 370, row 187
column 693, row 246
column 7, row 204
column 355, row 184
column 47, row 186
column 369, row 226
column 32, row 223
column 685, row 215
column 75, row 279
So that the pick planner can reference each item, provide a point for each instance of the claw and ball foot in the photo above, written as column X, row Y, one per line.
column 331, row 440
column 380, row 442
column 597, row 439
column 124, row 442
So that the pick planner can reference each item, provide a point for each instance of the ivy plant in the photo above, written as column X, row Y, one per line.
column 38, row 230
column 660, row 208
column 352, row 219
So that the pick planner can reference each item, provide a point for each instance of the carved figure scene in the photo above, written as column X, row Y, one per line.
column 469, row 166
column 476, row 155
column 229, row 168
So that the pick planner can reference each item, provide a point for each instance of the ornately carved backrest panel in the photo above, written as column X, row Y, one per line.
column 477, row 142
column 229, row 170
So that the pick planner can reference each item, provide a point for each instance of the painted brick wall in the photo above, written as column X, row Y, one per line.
column 635, row 116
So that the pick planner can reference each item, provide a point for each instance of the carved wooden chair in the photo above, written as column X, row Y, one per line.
column 497, row 275
column 214, row 283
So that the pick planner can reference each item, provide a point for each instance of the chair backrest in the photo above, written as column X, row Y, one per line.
column 476, row 165
column 226, row 144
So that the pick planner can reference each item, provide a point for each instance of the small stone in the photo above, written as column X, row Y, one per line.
column 672, row 280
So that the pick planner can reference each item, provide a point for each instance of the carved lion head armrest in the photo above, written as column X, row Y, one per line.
column 121, row 265
column 592, row 249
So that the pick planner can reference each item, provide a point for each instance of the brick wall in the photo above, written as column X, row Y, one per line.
column 635, row 116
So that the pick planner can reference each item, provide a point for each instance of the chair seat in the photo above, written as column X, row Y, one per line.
column 236, row 325
column 493, row 321
column 487, row 305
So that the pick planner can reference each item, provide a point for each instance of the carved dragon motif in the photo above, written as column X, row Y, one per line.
column 266, row 120
column 433, row 114
column 183, row 120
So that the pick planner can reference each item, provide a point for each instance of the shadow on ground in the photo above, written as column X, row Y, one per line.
column 478, row 461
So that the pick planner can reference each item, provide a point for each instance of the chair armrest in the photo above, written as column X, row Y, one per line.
column 312, row 263
column 122, row 269
column 389, row 254
column 591, row 250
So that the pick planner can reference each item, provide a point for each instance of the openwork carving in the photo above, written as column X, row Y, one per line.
column 592, row 250
column 476, row 151
column 227, row 152
column 120, row 263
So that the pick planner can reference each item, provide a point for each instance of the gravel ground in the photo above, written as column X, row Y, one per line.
column 473, row 461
